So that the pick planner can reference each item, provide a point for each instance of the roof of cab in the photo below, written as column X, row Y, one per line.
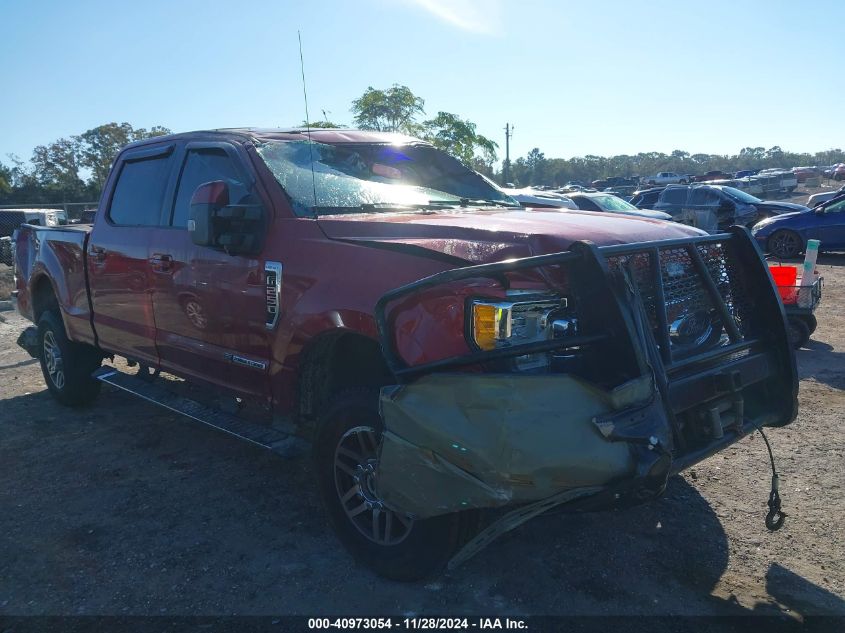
column 320, row 135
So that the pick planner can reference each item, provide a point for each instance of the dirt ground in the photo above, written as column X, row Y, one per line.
column 123, row 508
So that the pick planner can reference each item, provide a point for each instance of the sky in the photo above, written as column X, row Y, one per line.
column 574, row 78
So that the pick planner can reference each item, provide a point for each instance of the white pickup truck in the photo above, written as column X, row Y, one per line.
column 666, row 178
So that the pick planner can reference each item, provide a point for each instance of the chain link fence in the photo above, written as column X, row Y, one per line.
column 12, row 216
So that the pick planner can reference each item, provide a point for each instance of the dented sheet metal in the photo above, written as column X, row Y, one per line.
column 458, row 441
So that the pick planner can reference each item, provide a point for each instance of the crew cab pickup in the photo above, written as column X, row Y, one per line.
column 455, row 360
column 666, row 178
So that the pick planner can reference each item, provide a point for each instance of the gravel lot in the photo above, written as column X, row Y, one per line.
column 125, row 509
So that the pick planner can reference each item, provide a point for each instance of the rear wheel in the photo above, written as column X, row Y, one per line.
column 785, row 244
column 393, row 544
column 799, row 332
column 67, row 366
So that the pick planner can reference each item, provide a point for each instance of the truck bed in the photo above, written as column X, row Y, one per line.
column 53, row 258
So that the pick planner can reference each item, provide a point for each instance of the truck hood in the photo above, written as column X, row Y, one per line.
column 490, row 235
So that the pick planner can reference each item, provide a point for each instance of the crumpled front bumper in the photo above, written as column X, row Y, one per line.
column 458, row 441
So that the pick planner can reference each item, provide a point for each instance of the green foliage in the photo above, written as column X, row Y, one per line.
column 536, row 169
column 99, row 146
column 391, row 110
column 321, row 124
column 70, row 169
column 457, row 136
column 5, row 179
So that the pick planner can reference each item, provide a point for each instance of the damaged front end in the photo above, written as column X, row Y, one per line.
column 585, row 378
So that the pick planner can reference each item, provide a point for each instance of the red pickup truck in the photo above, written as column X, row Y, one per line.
column 457, row 362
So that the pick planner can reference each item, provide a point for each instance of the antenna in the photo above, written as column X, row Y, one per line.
column 307, row 120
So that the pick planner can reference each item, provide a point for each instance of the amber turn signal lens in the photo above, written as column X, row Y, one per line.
column 484, row 326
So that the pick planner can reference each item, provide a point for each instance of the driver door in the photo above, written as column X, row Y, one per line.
column 209, row 306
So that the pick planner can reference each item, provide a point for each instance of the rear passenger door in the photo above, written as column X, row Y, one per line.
column 118, row 270
column 209, row 307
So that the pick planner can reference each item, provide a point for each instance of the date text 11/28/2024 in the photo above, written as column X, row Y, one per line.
column 418, row 623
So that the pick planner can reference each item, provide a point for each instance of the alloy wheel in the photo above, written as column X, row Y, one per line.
column 53, row 360
column 355, row 463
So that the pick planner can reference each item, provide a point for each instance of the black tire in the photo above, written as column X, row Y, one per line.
column 416, row 552
column 799, row 332
column 682, row 182
column 812, row 322
column 785, row 244
column 67, row 366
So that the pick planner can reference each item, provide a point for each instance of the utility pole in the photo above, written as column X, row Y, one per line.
column 506, row 166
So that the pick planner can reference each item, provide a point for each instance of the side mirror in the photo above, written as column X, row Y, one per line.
column 206, row 202
column 818, row 210
column 226, row 216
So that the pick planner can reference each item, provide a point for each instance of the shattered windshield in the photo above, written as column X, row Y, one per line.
column 370, row 177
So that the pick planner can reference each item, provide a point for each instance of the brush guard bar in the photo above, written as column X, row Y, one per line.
column 726, row 270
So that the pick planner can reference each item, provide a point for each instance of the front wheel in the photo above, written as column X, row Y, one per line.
column 393, row 544
column 67, row 366
column 785, row 244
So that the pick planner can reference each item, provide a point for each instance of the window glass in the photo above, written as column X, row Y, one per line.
column 704, row 197
column 674, row 195
column 585, row 203
column 837, row 207
column 139, row 191
column 201, row 166
column 613, row 203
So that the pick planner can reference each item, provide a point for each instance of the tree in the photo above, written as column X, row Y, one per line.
column 100, row 145
column 391, row 110
column 5, row 179
column 535, row 162
column 457, row 136
column 56, row 166
column 321, row 124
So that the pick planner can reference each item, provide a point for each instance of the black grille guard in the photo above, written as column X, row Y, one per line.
column 735, row 281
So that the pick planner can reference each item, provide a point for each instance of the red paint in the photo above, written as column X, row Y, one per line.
column 142, row 279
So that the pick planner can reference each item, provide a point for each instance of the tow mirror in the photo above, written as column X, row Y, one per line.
column 226, row 216
column 207, row 200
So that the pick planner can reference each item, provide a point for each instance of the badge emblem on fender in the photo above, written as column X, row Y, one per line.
column 272, row 293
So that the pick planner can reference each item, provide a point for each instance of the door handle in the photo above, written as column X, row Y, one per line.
column 161, row 263
column 97, row 253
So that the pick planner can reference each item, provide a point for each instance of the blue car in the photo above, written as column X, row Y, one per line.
column 786, row 235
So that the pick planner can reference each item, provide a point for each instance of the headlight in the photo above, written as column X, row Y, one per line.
column 498, row 324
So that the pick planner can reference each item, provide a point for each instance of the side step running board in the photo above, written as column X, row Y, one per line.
column 284, row 444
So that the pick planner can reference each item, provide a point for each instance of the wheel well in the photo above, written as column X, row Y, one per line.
column 334, row 363
column 43, row 297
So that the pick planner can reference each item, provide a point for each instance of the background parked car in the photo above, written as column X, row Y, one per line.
column 817, row 198
column 613, row 204
column 537, row 199
column 745, row 173
column 839, row 173
column 716, row 207
column 714, row 175
column 805, row 173
column 646, row 198
column 666, row 178
column 786, row 235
